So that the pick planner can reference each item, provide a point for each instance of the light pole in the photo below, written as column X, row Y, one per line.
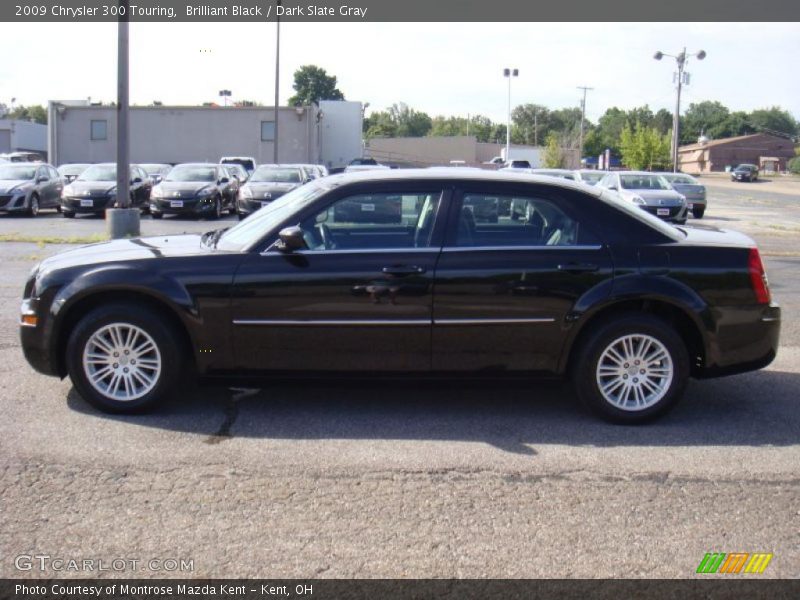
column 682, row 79
column 583, row 118
column 225, row 94
column 509, row 73
column 277, row 82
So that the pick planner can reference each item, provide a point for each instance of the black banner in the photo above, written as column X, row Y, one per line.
column 395, row 11
column 734, row 587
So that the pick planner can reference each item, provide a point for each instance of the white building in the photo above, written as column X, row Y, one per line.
column 18, row 136
column 174, row 134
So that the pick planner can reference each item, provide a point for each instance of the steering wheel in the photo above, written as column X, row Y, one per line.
column 326, row 236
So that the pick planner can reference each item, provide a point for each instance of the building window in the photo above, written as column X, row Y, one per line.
column 99, row 130
column 267, row 131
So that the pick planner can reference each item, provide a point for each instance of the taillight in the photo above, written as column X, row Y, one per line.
column 758, row 277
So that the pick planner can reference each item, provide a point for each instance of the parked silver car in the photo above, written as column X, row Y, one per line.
column 25, row 187
column 693, row 191
column 589, row 176
column 650, row 191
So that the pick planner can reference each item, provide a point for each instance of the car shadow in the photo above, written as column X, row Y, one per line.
column 754, row 409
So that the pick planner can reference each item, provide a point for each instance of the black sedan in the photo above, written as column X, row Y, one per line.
column 27, row 187
column 95, row 190
column 586, row 286
column 195, row 189
column 266, row 184
column 745, row 172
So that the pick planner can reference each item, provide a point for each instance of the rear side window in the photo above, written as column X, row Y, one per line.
column 504, row 220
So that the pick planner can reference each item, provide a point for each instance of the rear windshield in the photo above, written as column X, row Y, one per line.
column 247, row 164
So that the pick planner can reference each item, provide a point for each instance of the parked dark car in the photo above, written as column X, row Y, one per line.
column 27, row 187
column 196, row 189
column 267, row 184
column 70, row 172
column 745, row 172
column 587, row 287
column 95, row 190
column 156, row 171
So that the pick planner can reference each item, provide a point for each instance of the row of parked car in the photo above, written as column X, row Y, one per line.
column 670, row 196
column 234, row 185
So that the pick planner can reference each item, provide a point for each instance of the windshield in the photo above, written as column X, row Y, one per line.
column 644, row 182
column 192, row 173
column 276, row 175
column 99, row 173
column 634, row 211
column 591, row 177
column 243, row 162
column 255, row 227
column 679, row 178
column 155, row 169
column 71, row 169
column 17, row 172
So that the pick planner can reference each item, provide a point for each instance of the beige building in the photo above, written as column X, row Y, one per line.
column 769, row 152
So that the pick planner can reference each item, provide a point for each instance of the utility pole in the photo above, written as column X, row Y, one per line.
column 583, row 118
column 509, row 73
column 535, row 128
column 277, row 81
column 681, row 79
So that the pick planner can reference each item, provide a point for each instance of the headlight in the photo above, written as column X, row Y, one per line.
column 68, row 190
column 245, row 192
column 683, row 199
column 156, row 192
column 637, row 200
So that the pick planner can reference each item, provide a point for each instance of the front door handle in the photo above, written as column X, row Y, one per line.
column 578, row 268
column 400, row 270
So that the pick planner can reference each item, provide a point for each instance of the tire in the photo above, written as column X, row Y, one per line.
column 157, row 215
column 58, row 208
column 698, row 212
column 68, row 214
column 217, row 209
column 667, row 377
column 241, row 216
column 91, row 349
column 33, row 209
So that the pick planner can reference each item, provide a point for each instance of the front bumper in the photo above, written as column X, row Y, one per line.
column 190, row 206
column 80, row 205
column 745, row 339
column 741, row 177
column 12, row 203
column 675, row 214
column 39, row 353
column 247, row 206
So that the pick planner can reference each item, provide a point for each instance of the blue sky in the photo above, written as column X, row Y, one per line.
column 440, row 68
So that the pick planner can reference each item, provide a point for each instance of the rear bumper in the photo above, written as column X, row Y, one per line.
column 746, row 339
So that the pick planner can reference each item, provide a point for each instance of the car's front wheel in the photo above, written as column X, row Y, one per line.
column 123, row 358
column 631, row 369
column 33, row 208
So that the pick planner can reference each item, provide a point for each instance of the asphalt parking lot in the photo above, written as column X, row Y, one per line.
column 406, row 479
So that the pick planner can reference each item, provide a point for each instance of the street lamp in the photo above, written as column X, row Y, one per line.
column 225, row 94
column 682, row 79
column 278, row 4
column 509, row 73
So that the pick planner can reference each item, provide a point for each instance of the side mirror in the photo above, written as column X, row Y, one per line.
column 291, row 239
column 613, row 186
column 41, row 179
column 224, row 180
column 136, row 180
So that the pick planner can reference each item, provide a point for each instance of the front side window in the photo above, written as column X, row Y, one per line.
column 372, row 221
column 99, row 129
column 504, row 220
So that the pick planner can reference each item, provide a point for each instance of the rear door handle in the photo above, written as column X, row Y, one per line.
column 403, row 270
column 578, row 268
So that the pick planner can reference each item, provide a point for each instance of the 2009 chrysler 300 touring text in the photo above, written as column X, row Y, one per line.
column 380, row 273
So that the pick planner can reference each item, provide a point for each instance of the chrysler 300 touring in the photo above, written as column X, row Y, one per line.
column 388, row 273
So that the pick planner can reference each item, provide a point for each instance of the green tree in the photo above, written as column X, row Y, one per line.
column 312, row 84
column 644, row 147
column 34, row 112
column 553, row 156
column 774, row 119
column 410, row 122
column 793, row 165
column 704, row 118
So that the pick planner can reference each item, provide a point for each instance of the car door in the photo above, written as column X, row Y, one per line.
column 358, row 298
column 506, row 290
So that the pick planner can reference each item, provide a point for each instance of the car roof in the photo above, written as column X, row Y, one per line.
column 198, row 164
column 449, row 173
column 638, row 173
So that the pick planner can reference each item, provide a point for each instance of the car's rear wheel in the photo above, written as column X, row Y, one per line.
column 698, row 212
column 123, row 358
column 631, row 369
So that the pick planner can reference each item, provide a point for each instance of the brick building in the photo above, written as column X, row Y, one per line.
column 769, row 152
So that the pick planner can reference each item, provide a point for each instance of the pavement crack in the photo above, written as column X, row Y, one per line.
column 231, row 414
